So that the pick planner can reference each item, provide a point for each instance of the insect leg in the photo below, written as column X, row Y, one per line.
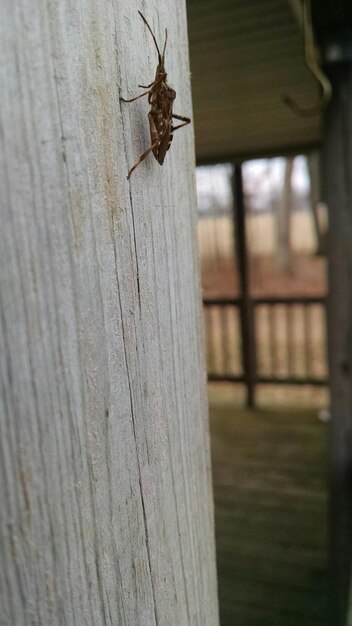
column 136, row 98
column 152, row 85
column 141, row 158
column 155, row 82
column 183, row 119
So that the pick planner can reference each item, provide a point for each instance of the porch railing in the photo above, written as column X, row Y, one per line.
column 289, row 340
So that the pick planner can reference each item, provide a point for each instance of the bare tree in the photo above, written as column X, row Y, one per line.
column 284, row 219
column 315, row 199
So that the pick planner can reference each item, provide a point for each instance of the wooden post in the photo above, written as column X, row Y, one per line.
column 247, row 316
column 337, row 177
column 105, row 485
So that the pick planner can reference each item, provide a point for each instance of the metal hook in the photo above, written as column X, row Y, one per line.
column 312, row 65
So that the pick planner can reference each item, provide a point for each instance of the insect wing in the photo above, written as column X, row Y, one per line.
column 166, row 139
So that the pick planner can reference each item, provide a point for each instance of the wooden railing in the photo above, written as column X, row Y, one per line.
column 288, row 347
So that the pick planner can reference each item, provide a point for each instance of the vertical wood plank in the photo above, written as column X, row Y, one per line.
column 107, row 514
column 337, row 179
column 246, row 306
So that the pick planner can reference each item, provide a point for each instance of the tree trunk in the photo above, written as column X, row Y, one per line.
column 284, row 220
column 315, row 198
column 105, row 475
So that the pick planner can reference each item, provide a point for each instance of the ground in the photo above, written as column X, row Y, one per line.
column 269, row 472
column 306, row 277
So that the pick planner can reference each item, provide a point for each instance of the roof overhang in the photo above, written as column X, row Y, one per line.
column 245, row 54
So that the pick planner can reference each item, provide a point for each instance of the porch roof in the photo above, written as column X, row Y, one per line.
column 245, row 54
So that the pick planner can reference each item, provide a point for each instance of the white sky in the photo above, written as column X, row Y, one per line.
column 262, row 180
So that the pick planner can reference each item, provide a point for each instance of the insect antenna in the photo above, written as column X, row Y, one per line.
column 163, row 57
column 152, row 34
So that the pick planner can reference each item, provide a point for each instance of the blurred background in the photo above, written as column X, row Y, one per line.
column 261, row 73
column 268, row 387
column 284, row 273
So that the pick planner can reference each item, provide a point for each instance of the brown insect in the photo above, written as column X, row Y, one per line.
column 161, row 98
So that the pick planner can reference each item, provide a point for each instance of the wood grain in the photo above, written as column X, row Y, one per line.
column 107, row 514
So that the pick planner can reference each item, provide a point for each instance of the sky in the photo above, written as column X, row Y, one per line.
column 262, row 179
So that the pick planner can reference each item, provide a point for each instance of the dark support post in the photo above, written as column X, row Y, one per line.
column 247, row 311
column 337, row 181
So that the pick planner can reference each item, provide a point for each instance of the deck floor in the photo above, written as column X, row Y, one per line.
column 269, row 469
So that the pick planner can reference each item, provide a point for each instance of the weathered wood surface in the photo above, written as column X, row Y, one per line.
column 106, row 507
